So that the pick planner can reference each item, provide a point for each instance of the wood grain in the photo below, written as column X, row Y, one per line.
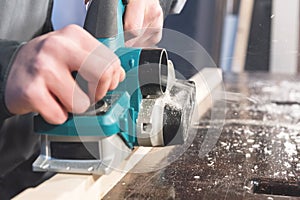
column 76, row 187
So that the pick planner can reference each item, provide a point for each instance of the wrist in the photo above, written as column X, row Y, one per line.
column 8, row 53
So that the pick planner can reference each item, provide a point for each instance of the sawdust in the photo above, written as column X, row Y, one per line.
column 264, row 127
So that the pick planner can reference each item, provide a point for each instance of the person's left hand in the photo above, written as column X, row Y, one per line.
column 143, row 23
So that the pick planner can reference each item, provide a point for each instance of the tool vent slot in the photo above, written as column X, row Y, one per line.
column 276, row 187
column 75, row 150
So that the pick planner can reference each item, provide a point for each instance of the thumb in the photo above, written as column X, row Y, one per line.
column 134, row 18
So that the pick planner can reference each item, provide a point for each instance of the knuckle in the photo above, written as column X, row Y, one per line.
column 36, row 99
column 122, row 76
column 59, row 118
column 113, row 86
column 79, row 105
column 42, row 62
column 116, row 64
column 28, row 93
column 81, row 109
column 42, row 69
column 49, row 44
column 105, row 77
column 135, row 32
column 132, row 29
column 41, row 99
column 100, row 94
column 68, row 105
column 55, row 115
column 37, row 64
column 69, row 29
column 156, row 11
column 128, row 26
column 156, row 38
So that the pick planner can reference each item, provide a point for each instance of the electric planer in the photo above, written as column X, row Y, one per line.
column 149, row 108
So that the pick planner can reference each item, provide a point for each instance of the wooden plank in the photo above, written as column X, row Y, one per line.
column 241, row 43
column 285, row 37
column 208, row 80
column 76, row 187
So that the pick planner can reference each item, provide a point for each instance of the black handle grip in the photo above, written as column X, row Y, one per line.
column 102, row 18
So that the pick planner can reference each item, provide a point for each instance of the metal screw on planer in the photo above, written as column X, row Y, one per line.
column 131, row 62
column 46, row 166
column 90, row 169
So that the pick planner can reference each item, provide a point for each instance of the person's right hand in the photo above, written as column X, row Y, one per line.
column 40, row 79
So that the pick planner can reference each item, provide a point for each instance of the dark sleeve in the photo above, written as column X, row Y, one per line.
column 172, row 6
column 8, row 51
column 166, row 6
column 36, row 23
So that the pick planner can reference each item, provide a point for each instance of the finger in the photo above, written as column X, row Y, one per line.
column 86, row 54
column 91, row 65
column 115, row 80
column 72, row 98
column 102, row 89
column 151, row 37
column 98, row 90
column 64, row 50
column 149, row 41
column 122, row 75
column 132, row 42
column 153, row 12
column 134, row 17
column 96, row 65
column 50, row 109
column 95, row 68
column 79, row 36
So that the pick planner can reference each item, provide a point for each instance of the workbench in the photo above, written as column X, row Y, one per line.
column 257, row 155
column 246, row 147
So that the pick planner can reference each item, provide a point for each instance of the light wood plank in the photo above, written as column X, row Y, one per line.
column 241, row 43
column 77, row 187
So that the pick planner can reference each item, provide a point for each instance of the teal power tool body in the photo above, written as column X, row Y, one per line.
column 149, row 108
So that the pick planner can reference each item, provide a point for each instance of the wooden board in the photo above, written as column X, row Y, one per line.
column 72, row 186
column 241, row 43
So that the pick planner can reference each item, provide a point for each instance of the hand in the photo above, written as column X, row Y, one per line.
column 40, row 79
column 143, row 23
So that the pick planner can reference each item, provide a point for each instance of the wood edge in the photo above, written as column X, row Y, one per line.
column 74, row 186
column 242, row 36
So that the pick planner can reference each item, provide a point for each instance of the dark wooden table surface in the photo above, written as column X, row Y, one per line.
column 257, row 155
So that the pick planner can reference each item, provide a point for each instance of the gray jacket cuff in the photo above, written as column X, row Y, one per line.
column 8, row 50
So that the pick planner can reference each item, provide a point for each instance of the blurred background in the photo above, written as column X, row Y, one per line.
column 244, row 35
column 239, row 35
